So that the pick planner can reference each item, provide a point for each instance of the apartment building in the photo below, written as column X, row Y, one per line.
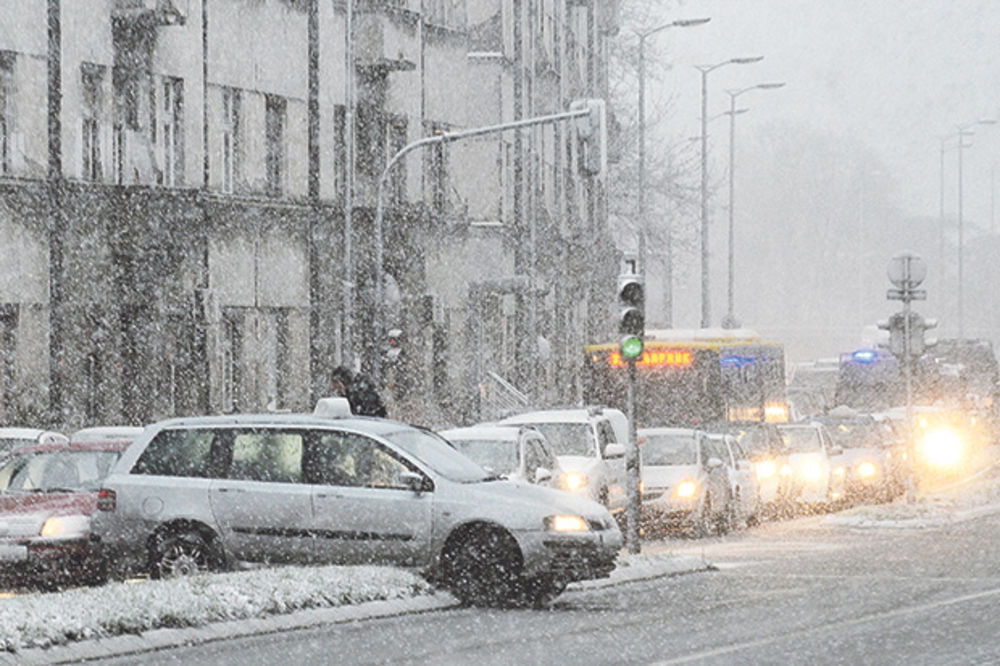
column 174, row 233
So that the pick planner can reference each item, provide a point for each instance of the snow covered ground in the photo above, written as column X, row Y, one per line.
column 42, row 620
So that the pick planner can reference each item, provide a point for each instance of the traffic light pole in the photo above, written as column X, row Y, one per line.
column 446, row 137
column 632, row 467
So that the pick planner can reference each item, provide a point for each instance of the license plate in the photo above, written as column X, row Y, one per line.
column 13, row 552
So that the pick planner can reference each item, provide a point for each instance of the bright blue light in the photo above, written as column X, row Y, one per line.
column 736, row 361
column 865, row 356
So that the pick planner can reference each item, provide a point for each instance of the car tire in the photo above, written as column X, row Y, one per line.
column 483, row 568
column 175, row 553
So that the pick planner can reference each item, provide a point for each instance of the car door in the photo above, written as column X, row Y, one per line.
column 614, row 467
column 716, row 478
column 362, row 510
column 743, row 478
column 262, row 506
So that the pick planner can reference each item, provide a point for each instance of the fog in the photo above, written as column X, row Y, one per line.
column 839, row 169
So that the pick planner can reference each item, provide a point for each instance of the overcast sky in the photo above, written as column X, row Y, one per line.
column 896, row 74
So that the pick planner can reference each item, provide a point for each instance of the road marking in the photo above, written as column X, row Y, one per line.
column 729, row 649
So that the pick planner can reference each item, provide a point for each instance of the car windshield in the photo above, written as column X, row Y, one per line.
column 435, row 452
column 500, row 456
column 672, row 449
column 855, row 435
column 568, row 439
column 755, row 441
column 56, row 471
column 801, row 440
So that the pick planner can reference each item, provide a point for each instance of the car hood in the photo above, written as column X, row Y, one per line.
column 800, row 458
column 667, row 476
column 585, row 464
column 22, row 514
column 533, row 499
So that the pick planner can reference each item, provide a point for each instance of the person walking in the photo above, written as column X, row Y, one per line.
column 360, row 392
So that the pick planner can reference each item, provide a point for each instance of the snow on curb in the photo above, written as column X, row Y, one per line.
column 44, row 620
column 644, row 566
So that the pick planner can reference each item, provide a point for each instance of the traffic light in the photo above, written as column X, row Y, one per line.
column 592, row 135
column 896, row 325
column 632, row 316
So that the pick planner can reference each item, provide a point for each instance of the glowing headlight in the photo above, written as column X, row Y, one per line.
column 942, row 447
column 686, row 489
column 811, row 470
column 839, row 472
column 574, row 480
column 567, row 524
column 866, row 470
column 786, row 470
column 69, row 526
column 765, row 470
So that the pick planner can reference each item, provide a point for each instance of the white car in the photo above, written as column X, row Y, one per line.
column 13, row 438
column 685, row 484
column 197, row 494
column 518, row 453
column 743, row 486
column 816, row 481
column 584, row 441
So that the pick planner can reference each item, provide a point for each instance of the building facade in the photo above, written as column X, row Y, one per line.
column 178, row 236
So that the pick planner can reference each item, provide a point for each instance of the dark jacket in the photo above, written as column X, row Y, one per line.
column 364, row 399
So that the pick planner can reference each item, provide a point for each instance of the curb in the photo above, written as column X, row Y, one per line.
column 160, row 639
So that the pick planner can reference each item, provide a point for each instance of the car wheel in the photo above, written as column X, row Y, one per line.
column 483, row 568
column 182, row 552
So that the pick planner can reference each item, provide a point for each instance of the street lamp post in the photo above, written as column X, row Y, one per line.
column 730, row 320
column 706, row 309
column 964, row 130
column 643, row 35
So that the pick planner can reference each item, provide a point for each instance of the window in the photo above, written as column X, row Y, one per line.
column 231, row 141
column 92, row 77
column 125, row 90
column 6, row 109
column 396, row 137
column 275, row 359
column 274, row 127
column 173, row 131
column 439, row 172
column 340, row 149
column 267, row 455
column 232, row 358
column 348, row 459
column 178, row 453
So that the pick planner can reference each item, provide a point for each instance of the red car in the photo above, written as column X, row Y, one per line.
column 47, row 495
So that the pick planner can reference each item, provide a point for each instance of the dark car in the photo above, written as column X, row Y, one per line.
column 48, row 493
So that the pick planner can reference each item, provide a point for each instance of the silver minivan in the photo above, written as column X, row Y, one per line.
column 206, row 493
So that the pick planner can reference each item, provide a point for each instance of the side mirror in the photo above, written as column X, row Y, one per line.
column 543, row 474
column 614, row 450
column 418, row 483
column 713, row 463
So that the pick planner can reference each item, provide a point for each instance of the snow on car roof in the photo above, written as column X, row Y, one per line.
column 490, row 432
column 576, row 415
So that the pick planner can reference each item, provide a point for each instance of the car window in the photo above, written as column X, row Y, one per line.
column 499, row 455
column 802, row 440
column 533, row 458
column 56, row 471
column 568, row 439
column 267, row 455
column 712, row 448
column 605, row 435
column 435, row 452
column 668, row 449
column 353, row 460
column 179, row 452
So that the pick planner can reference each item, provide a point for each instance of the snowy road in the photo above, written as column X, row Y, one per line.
column 864, row 587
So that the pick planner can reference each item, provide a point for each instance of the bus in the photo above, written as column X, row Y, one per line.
column 689, row 378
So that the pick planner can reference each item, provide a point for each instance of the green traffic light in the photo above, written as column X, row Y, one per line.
column 631, row 347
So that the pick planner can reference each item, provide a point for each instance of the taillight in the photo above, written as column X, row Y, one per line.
column 106, row 500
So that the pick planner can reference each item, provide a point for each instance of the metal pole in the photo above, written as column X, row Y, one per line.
column 941, row 211
column 641, row 218
column 961, row 241
column 706, row 309
column 347, row 344
column 730, row 317
column 632, row 467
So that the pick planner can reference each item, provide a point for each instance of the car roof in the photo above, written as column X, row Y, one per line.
column 28, row 433
column 576, row 415
column 106, row 433
column 667, row 431
column 372, row 425
column 491, row 432
column 109, row 445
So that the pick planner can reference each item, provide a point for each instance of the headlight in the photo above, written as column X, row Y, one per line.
column 567, row 524
column 786, row 470
column 574, row 480
column 811, row 470
column 765, row 470
column 866, row 470
column 686, row 489
column 942, row 447
column 65, row 526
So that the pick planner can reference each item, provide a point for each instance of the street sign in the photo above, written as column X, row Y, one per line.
column 906, row 294
column 907, row 270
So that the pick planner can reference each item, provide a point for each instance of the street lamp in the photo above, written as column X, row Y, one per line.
column 730, row 320
column 706, row 309
column 964, row 130
column 643, row 35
